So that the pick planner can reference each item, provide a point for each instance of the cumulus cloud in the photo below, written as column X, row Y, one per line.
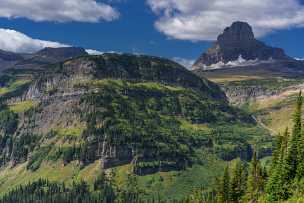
column 11, row 40
column 58, row 10
column 203, row 20
column 184, row 62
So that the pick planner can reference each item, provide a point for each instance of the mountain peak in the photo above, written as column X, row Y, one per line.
column 236, row 33
column 235, row 41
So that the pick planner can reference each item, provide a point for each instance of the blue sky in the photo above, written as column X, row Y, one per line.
column 169, row 28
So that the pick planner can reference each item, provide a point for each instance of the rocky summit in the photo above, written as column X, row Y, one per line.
column 238, row 41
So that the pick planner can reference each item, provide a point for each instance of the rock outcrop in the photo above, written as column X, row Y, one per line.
column 238, row 40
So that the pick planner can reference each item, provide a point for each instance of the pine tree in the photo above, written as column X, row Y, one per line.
column 238, row 182
column 291, row 162
column 280, row 151
column 277, row 151
column 224, row 188
column 255, row 182
column 300, row 147
column 277, row 186
column 284, row 144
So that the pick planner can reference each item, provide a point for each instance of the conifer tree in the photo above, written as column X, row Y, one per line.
column 300, row 167
column 238, row 181
column 277, row 151
column 291, row 162
column 255, row 182
column 277, row 186
column 284, row 144
column 224, row 188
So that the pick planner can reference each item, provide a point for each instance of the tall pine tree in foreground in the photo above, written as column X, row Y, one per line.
column 277, row 186
column 291, row 163
column 255, row 183
column 238, row 181
column 300, row 145
column 224, row 188
column 288, row 163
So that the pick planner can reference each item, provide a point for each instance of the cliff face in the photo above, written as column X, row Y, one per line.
column 238, row 41
column 240, row 95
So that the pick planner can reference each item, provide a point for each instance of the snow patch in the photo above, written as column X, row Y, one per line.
column 299, row 59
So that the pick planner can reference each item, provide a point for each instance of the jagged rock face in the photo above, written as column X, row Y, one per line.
column 238, row 40
column 238, row 34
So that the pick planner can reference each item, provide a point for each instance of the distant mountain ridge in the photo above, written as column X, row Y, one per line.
column 10, row 56
column 62, row 53
column 238, row 41
column 37, row 60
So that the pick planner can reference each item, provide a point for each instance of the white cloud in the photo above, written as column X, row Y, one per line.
column 58, row 10
column 11, row 40
column 205, row 19
column 184, row 62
